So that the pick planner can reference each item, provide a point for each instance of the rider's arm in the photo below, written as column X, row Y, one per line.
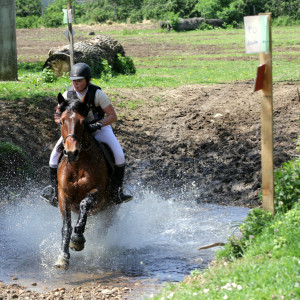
column 110, row 114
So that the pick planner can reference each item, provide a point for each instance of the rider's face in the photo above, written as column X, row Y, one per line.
column 79, row 85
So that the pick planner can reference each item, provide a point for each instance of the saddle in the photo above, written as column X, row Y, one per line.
column 105, row 149
column 108, row 154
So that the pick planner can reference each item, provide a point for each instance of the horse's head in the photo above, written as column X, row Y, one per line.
column 73, row 126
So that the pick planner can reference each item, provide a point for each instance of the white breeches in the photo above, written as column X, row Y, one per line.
column 105, row 135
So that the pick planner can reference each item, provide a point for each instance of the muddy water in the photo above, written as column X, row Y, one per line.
column 152, row 239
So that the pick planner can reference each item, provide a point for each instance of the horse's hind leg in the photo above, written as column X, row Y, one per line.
column 77, row 239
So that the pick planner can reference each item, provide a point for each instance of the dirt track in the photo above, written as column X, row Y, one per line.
column 205, row 138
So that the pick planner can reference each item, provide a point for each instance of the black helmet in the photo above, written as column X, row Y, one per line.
column 80, row 71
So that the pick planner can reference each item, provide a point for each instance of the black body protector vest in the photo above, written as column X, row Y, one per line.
column 89, row 99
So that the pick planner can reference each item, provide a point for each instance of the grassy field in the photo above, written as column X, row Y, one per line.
column 175, row 59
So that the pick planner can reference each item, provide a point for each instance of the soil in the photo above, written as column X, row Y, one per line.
column 204, row 138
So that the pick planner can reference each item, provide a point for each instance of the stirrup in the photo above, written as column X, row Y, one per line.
column 48, row 195
column 122, row 198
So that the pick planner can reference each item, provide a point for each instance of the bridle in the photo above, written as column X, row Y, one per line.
column 80, row 140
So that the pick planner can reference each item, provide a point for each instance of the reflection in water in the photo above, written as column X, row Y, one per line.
column 150, row 238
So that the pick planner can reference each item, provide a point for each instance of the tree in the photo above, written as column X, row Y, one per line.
column 25, row 8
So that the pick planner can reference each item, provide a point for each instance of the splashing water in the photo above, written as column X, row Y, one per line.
column 149, row 237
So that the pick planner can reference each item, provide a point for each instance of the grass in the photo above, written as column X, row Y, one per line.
column 205, row 57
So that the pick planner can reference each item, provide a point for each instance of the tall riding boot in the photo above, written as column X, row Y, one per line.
column 118, row 178
column 50, row 193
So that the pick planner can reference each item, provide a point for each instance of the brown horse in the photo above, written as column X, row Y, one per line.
column 84, row 177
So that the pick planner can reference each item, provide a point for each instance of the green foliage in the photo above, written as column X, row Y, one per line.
column 287, row 185
column 25, row 8
column 53, row 19
column 208, row 8
column 285, row 21
column 117, row 11
column 205, row 26
column 100, row 11
column 280, row 8
column 29, row 22
column 48, row 75
column 124, row 65
column 101, row 70
column 234, row 12
column 136, row 16
column 53, row 16
column 173, row 20
column 249, row 229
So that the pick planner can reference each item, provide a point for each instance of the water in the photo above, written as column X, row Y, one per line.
column 151, row 237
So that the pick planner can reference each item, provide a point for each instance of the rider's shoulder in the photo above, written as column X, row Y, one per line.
column 94, row 87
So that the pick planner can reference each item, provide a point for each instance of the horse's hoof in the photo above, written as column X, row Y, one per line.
column 77, row 242
column 62, row 263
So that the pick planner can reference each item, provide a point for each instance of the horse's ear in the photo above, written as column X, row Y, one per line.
column 60, row 98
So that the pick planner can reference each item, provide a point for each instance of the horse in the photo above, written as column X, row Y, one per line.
column 84, row 177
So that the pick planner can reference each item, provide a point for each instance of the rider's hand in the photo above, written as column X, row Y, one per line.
column 91, row 128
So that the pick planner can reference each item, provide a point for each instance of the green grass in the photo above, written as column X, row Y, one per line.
column 182, row 58
column 269, row 269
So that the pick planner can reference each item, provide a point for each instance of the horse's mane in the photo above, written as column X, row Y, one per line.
column 74, row 105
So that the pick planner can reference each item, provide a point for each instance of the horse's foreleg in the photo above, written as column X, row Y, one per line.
column 78, row 240
column 66, row 231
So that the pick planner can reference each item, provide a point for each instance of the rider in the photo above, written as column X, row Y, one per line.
column 102, row 114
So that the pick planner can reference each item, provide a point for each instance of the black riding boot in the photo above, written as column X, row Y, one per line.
column 118, row 177
column 50, row 193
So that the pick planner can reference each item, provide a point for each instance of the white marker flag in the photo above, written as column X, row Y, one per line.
column 256, row 34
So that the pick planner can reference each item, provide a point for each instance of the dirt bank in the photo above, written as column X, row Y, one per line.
column 200, row 137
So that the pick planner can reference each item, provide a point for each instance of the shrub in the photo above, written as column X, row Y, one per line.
column 26, row 8
column 136, row 16
column 285, row 21
column 102, row 69
column 52, row 19
column 124, row 65
column 48, row 75
column 287, row 185
column 249, row 229
column 100, row 15
column 205, row 26
column 173, row 19
column 29, row 22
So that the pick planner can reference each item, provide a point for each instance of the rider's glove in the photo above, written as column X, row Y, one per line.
column 91, row 128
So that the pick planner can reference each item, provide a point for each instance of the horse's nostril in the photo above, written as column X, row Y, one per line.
column 76, row 152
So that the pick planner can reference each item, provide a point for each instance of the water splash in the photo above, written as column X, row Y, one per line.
column 149, row 237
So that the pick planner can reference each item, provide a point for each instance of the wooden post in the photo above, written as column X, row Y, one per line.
column 70, row 31
column 267, row 128
column 8, row 46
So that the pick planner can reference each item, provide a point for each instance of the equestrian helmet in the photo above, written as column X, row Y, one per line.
column 80, row 71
